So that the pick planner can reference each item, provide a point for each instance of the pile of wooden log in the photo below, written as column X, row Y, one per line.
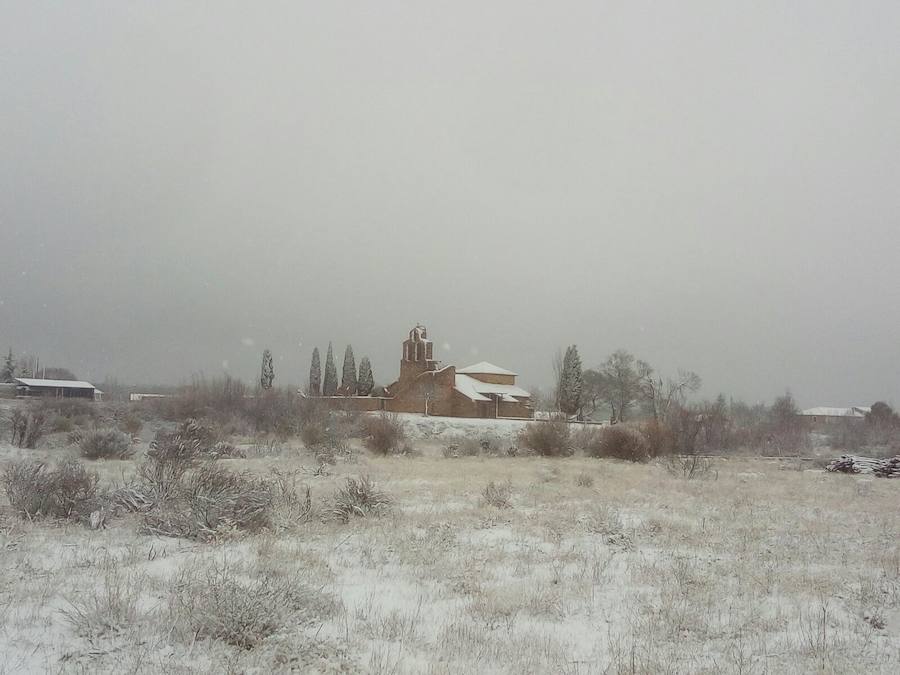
column 890, row 468
column 883, row 468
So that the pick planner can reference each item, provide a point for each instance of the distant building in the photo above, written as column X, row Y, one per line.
column 479, row 390
column 824, row 416
column 425, row 386
column 34, row 387
column 141, row 397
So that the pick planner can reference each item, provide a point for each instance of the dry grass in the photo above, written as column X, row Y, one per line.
column 218, row 603
column 497, row 494
column 758, row 568
column 359, row 497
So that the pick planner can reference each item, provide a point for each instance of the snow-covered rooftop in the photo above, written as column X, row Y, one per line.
column 68, row 384
column 824, row 411
column 476, row 389
column 484, row 368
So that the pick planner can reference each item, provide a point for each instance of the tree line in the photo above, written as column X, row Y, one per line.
column 30, row 366
column 621, row 384
column 353, row 382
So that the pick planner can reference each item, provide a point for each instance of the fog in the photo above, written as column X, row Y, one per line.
column 710, row 186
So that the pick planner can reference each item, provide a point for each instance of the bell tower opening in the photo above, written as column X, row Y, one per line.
column 418, row 354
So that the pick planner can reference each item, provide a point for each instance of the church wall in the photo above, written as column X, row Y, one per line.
column 493, row 378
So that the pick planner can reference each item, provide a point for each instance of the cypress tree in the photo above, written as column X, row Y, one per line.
column 329, row 382
column 366, row 380
column 9, row 368
column 349, row 384
column 571, row 382
column 267, row 372
column 315, row 374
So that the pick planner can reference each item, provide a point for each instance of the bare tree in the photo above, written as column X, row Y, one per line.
column 592, row 394
column 621, row 377
column 557, row 376
column 660, row 395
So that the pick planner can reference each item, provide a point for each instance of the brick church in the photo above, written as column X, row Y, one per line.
column 479, row 390
column 427, row 387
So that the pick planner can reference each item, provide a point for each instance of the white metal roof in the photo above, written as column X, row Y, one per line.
column 476, row 389
column 824, row 411
column 484, row 368
column 61, row 384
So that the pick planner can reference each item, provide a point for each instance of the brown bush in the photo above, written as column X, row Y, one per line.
column 131, row 425
column 314, row 419
column 27, row 427
column 203, row 398
column 661, row 440
column 584, row 436
column 62, row 425
column 274, row 411
column 106, row 444
column 34, row 489
column 384, row 434
column 550, row 439
column 621, row 442
column 79, row 410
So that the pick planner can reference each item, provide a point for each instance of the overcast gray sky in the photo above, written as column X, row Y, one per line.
column 711, row 185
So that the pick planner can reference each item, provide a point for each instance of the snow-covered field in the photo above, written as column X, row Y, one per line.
column 445, row 428
column 595, row 566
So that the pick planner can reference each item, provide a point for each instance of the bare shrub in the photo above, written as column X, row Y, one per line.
column 62, row 425
column 550, row 439
column 169, row 458
column 107, row 608
column 274, row 411
column 217, row 604
column 161, row 478
column 660, row 438
column 223, row 396
column 359, row 497
column 290, row 508
column 80, row 411
column 384, row 434
column 106, row 444
column 27, row 427
column 584, row 436
column 464, row 446
column 621, row 442
column 584, row 479
column 131, row 425
column 688, row 466
column 498, row 495
column 34, row 489
column 75, row 436
column 313, row 423
column 212, row 500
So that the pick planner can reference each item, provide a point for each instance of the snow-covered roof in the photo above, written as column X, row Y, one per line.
column 484, row 368
column 67, row 384
column 477, row 390
column 824, row 411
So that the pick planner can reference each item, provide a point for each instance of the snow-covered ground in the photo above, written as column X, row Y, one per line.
column 442, row 428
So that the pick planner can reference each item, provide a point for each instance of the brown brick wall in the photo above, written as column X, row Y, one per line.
column 515, row 410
